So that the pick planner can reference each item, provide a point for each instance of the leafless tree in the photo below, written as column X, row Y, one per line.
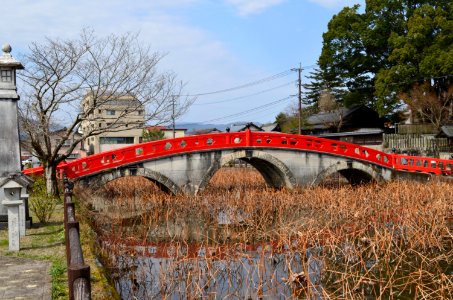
column 329, row 105
column 60, row 73
column 428, row 104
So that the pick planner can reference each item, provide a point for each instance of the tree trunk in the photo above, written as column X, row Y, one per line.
column 50, row 173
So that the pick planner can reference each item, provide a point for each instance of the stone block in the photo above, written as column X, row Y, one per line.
column 13, row 223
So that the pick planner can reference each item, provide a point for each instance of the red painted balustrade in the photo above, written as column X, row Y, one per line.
column 247, row 139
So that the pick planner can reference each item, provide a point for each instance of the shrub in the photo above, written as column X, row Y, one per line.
column 41, row 204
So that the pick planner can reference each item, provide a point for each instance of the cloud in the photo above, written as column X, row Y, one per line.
column 336, row 3
column 166, row 32
column 192, row 51
column 250, row 7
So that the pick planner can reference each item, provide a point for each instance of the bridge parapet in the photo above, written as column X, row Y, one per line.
column 248, row 139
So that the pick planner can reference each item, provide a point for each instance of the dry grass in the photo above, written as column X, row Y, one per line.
column 391, row 240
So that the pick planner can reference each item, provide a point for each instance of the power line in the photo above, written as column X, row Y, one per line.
column 260, row 81
column 245, row 112
column 259, row 113
column 246, row 96
column 273, row 77
column 256, row 82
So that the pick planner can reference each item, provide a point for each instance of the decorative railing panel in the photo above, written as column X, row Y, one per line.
column 247, row 139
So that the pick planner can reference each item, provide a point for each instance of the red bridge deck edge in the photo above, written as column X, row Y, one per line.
column 246, row 139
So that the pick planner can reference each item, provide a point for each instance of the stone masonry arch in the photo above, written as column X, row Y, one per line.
column 275, row 173
column 354, row 171
column 162, row 181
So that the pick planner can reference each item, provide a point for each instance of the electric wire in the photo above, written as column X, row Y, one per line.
column 260, row 81
column 269, row 111
column 245, row 112
column 264, row 107
column 246, row 96
column 256, row 82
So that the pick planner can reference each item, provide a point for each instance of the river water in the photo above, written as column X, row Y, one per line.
column 228, row 272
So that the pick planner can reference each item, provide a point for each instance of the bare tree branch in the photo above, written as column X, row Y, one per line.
column 59, row 74
column 428, row 104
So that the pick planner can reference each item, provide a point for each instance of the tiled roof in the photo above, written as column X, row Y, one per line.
column 243, row 126
column 324, row 118
column 447, row 130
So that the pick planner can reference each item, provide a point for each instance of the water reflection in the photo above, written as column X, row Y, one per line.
column 210, row 273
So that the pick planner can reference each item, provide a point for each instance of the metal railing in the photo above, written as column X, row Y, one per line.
column 78, row 271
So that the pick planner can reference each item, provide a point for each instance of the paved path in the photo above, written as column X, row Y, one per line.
column 22, row 278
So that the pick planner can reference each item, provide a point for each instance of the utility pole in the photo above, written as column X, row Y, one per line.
column 299, row 83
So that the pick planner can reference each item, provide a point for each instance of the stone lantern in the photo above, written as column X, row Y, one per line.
column 13, row 184
column 9, row 134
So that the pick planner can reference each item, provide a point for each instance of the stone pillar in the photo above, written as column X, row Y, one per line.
column 22, row 216
column 13, row 223
column 12, row 201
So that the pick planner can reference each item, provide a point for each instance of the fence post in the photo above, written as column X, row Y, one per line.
column 78, row 273
column 79, row 282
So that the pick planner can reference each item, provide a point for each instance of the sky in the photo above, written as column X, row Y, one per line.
column 212, row 45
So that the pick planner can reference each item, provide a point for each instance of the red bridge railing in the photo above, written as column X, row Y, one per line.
column 247, row 139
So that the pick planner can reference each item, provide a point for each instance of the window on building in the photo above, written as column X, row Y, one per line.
column 73, row 156
column 116, row 140
column 110, row 112
column 100, row 125
column 100, row 111
column 6, row 75
column 140, row 112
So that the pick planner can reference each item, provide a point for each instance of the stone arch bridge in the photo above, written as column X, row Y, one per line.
column 186, row 165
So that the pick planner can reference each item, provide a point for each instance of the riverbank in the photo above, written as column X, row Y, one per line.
column 45, row 242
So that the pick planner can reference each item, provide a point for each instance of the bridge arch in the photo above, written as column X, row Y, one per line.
column 162, row 181
column 275, row 173
column 355, row 172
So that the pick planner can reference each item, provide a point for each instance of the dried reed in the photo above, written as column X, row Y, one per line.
column 390, row 240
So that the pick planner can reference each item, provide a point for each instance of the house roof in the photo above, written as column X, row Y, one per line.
column 208, row 130
column 271, row 127
column 322, row 119
column 204, row 131
column 359, row 132
column 155, row 127
column 176, row 129
column 235, row 127
column 357, row 116
column 163, row 128
column 447, row 130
